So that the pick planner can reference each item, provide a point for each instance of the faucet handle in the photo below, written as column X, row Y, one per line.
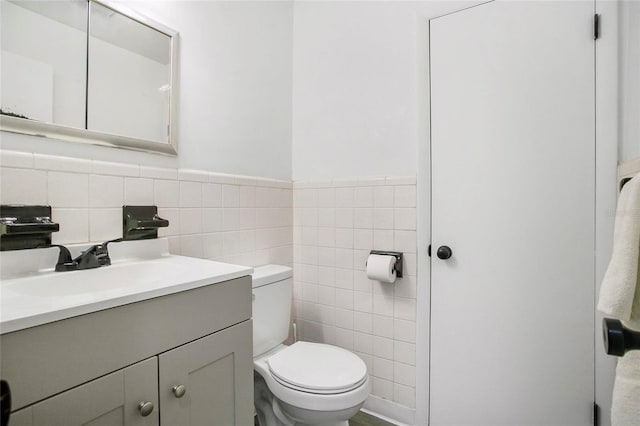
column 65, row 261
column 93, row 257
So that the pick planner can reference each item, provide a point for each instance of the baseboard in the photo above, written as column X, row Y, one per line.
column 389, row 411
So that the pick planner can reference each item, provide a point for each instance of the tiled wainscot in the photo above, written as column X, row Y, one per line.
column 236, row 219
column 336, row 224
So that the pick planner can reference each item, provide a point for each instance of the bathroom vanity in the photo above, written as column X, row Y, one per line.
column 172, row 355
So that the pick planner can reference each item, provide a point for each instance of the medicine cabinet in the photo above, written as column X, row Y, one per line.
column 89, row 71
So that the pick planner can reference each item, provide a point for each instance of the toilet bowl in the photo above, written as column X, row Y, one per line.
column 304, row 383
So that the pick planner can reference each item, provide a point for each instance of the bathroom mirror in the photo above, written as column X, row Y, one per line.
column 43, row 63
column 90, row 71
column 129, row 77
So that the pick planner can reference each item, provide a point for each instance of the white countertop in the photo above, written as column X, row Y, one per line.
column 32, row 293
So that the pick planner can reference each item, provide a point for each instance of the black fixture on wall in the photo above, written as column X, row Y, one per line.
column 141, row 222
column 26, row 227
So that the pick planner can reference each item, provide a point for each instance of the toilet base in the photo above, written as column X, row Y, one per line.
column 273, row 412
column 304, row 417
column 263, row 403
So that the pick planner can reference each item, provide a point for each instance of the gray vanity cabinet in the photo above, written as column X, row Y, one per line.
column 97, row 369
column 113, row 400
column 201, row 382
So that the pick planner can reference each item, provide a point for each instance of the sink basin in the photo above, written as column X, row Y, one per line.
column 112, row 280
column 140, row 270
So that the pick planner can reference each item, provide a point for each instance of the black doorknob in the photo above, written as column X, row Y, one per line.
column 444, row 252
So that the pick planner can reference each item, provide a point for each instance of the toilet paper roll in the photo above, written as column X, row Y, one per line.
column 381, row 268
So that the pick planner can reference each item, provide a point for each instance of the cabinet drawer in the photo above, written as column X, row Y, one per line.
column 42, row 361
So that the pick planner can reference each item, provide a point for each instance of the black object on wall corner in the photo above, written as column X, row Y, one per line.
column 26, row 227
column 141, row 222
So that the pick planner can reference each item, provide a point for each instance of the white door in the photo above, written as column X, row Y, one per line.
column 512, row 310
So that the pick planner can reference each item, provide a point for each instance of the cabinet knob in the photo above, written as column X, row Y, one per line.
column 179, row 391
column 145, row 408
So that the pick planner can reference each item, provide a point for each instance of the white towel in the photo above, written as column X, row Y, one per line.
column 618, row 295
column 620, row 298
column 625, row 404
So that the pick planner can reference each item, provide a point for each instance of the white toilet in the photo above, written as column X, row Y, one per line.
column 305, row 383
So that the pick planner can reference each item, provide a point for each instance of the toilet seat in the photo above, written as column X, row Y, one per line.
column 315, row 391
column 317, row 368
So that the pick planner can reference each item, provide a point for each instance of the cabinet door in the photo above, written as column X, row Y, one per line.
column 111, row 400
column 217, row 375
column 22, row 417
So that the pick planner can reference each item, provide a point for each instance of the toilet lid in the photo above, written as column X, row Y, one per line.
column 318, row 367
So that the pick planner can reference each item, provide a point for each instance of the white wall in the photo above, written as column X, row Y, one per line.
column 629, row 74
column 357, row 86
column 235, row 90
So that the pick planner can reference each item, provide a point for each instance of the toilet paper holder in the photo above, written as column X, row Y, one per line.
column 398, row 255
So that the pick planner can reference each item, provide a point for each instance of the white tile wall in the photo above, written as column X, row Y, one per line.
column 65, row 164
column 235, row 219
column 336, row 224
column 106, row 191
column 68, row 189
column 31, row 190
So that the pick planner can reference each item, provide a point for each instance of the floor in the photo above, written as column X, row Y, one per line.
column 360, row 419
column 364, row 419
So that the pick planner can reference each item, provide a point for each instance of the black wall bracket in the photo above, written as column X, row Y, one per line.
column 25, row 227
column 399, row 259
column 141, row 222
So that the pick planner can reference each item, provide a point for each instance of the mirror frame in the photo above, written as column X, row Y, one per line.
column 74, row 134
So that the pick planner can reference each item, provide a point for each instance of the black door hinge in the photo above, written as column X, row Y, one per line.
column 596, row 414
column 596, row 26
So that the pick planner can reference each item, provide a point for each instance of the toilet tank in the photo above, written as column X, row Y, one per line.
column 272, row 293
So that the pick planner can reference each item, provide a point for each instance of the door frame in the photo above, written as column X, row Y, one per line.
column 607, row 138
